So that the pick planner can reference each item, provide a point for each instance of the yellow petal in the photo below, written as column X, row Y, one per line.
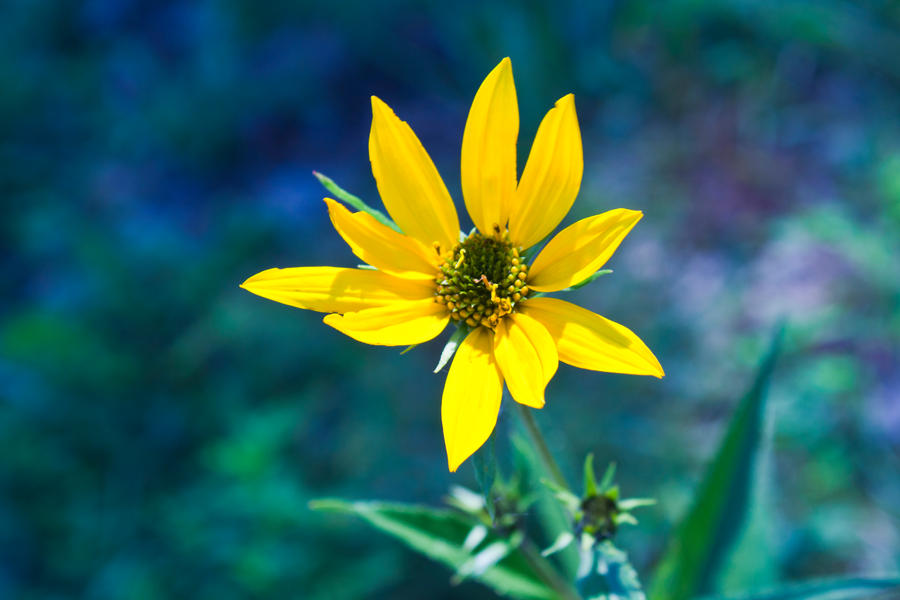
column 332, row 289
column 408, row 182
column 488, row 164
column 381, row 246
column 397, row 324
column 588, row 341
column 471, row 399
column 526, row 355
column 576, row 252
column 551, row 178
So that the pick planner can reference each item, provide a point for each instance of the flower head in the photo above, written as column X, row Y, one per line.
column 430, row 274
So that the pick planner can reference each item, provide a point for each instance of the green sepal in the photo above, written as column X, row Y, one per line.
column 606, row 482
column 590, row 479
column 633, row 503
column 590, row 279
column 354, row 201
column 451, row 346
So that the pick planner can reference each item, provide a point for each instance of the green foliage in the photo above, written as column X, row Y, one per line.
column 354, row 201
column 441, row 535
column 708, row 533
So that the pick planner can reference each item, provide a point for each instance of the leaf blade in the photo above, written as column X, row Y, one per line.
column 694, row 558
column 440, row 535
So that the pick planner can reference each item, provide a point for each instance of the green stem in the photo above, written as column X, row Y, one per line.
column 547, row 573
column 538, row 438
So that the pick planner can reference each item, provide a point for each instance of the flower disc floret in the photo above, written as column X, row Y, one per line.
column 482, row 280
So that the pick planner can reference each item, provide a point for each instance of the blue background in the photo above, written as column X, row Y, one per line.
column 162, row 430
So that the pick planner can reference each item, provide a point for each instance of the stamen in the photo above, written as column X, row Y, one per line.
column 482, row 279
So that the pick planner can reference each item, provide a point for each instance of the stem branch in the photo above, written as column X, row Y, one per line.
column 547, row 573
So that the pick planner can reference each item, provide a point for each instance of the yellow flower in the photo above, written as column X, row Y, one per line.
column 431, row 274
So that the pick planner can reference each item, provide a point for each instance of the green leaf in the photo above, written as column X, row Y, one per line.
column 440, row 535
column 354, row 201
column 695, row 558
column 849, row 588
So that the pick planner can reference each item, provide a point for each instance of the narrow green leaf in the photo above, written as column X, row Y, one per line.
column 450, row 347
column 440, row 535
column 354, row 201
column 849, row 588
column 695, row 556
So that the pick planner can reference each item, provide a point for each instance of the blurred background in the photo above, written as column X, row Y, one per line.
column 162, row 430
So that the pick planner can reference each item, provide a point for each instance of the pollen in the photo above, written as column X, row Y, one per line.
column 482, row 280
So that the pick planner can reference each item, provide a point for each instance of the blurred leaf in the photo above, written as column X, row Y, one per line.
column 440, row 535
column 850, row 588
column 354, row 201
column 695, row 557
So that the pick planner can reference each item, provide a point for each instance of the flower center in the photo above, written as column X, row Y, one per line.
column 482, row 280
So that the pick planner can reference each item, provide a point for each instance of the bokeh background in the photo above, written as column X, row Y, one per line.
column 161, row 431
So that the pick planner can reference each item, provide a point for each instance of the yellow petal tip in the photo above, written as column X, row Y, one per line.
column 379, row 105
column 567, row 100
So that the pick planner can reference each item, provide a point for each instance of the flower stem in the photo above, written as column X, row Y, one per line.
column 538, row 438
column 547, row 573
